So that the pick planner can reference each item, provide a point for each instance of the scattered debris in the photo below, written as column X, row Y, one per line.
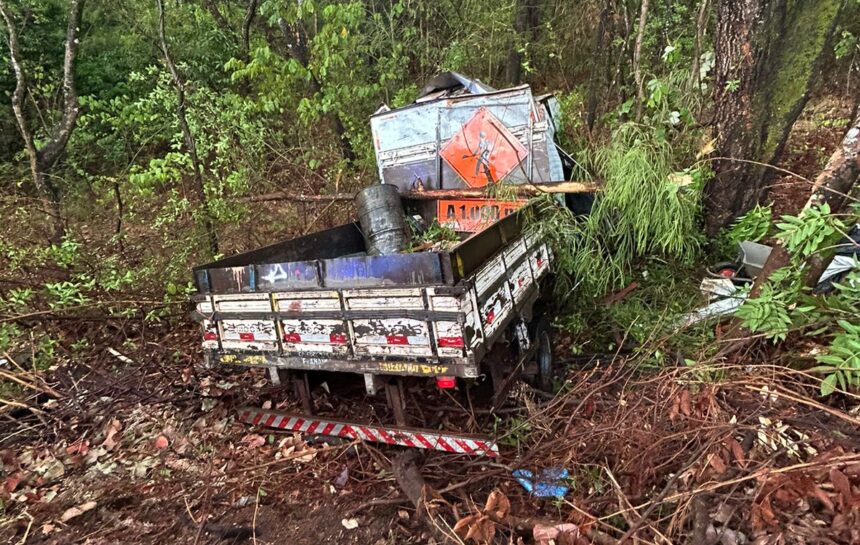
column 73, row 512
column 349, row 524
column 549, row 482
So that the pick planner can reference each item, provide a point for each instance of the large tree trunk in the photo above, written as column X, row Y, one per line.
column 768, row 56
column 43, row 159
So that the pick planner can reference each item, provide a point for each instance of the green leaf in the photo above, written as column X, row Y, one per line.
column 828, row 385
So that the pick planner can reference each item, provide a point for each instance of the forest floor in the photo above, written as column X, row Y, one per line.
column 130, row 439
column 142, row 446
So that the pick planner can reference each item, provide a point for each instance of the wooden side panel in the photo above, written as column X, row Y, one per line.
column 391, row 337
column 246, row 334
column 314, row 336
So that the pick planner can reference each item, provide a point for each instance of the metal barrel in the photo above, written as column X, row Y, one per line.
column 381, row 215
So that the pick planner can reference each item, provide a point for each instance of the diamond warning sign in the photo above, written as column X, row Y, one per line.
column 484, row 151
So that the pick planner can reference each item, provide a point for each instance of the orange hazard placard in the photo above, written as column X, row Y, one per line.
column 473, row 215
column 484, row 151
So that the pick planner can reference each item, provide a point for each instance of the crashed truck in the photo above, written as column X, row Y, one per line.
column 357, row 299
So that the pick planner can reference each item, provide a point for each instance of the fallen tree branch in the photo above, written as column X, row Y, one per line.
column 522, row 190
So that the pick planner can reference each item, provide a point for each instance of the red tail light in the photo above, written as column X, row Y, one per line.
column 446, row 382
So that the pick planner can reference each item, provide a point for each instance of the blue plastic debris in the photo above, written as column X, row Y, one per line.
column 547, row 484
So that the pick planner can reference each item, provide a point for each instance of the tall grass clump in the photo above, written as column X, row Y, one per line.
column 646, row 208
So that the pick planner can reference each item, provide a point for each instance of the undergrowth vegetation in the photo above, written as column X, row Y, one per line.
column 792, row 303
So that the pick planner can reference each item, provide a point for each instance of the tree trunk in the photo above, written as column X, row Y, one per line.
column 834, row 185
column 43, row 159
column 768, row 57
column 187, row 135
column 246, row 27
column 219, row 18
column 526, row 20
column 637, row 59
column 599, row 59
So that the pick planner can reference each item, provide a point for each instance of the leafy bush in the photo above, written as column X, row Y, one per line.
column 644, row 208
column 784, row 304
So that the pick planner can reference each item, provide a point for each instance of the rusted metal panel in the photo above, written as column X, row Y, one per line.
column 391, row 337
column 307, row 301
column 315, row 336
column 210, row 335
column 411, row 299
column 496, row 310
column 521, row 280
column 248, row 335
column 232, row 279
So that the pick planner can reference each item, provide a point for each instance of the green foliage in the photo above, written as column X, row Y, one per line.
column 842, row 362
column 437, row 233
column 644, row 208
column 770, row 312
column 752, row 226
column 805, row 234
column 846, row 45
column 784, row 304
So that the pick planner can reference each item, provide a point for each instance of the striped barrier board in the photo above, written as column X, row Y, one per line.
column 390, row 435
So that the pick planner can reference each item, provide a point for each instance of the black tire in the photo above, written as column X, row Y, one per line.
column 541, row 336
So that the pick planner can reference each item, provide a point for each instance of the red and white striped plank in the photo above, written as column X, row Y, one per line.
column 390, row 435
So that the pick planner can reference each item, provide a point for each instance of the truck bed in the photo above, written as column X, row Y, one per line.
column 319, row 303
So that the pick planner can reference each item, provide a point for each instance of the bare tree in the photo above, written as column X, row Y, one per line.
column 187, row 135
column 42, row 159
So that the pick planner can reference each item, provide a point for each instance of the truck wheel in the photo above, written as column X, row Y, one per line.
column 542, row 338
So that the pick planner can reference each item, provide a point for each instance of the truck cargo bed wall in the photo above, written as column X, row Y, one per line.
column 315, row 262
column 338, row 241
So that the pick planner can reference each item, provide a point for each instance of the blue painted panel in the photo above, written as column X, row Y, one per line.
column 384, row 270
column 283, row 276
column 201, row 278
